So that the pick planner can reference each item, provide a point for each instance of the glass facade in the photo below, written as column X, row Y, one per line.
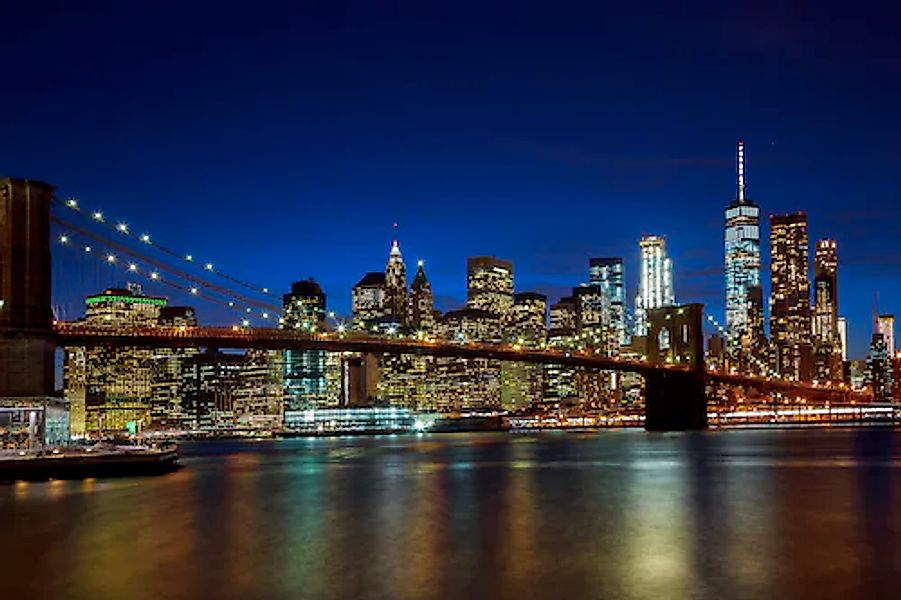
column 655, row 286
column 610, row 275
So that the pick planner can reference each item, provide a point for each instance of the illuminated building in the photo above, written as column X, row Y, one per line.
column 885, row 324
column 422, row 302
column 879, row 370
column 305, row 381
column 742, row 265
column 754, row 354
column 826, row 338
column 107, row 388
column 369, row 302
column 166, row 408
column 258, row 400
column 396, row 287
column 560, row 380
column 489, row 285
column 843, row 336
column 523, row 383
column 655, row 286
column 609, row 274
column 468, row 384
column 356, row 420
column 790, row 325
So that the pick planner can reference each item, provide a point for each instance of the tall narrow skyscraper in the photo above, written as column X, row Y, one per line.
column 609, row 274
column 790, row 325
column 396, row 286
column 655, row 285
column 885, row 324
column 422, row 302
column 742, row 267
column 827, row 342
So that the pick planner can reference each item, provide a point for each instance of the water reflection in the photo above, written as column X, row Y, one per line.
column 787, row 514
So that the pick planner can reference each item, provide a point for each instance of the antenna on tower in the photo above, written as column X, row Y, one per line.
column 741, row 171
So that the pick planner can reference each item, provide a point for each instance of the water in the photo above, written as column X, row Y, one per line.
column 614, row 514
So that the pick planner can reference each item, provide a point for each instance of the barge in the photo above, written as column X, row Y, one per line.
column 101, row 460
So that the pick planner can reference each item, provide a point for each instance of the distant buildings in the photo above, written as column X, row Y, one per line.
column 655, row 286
column 489, row 285
column 742, row 264
column 790, row 325
column 885, row 324
column 879, row 372
column 108, row 388
column 610, row 275
column 828, row 361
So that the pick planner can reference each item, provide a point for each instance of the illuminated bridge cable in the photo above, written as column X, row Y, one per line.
column 145, row 238
column 154, row 277
column 175, row 271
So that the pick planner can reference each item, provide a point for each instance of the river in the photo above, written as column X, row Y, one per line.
column 612, row 514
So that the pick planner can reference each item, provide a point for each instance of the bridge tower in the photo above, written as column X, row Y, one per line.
column 26, row 318
column 676, row 400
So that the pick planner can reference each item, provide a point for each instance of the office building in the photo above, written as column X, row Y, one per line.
column 843, row 336
column 609, row 274
column 885, row 324
column 305, row 372
column 463, row 385
column 879, row 371
column 396, row 287
column 167, row 411
column 108, row 388
column 489, row 285
column 742, row 259
column 422, row 302
column 369, row 302
column 655, row 286
column 790, row 325
column 827, row 344
column 523, row 383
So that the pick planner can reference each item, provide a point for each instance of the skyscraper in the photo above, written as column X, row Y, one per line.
column 826, row 339
column 609, row 274
column 369, row 301
column 843, row 336
column 879, row 369
column 489, row 285
column 885, row 324
column 304, row 370
column 790, row 326
column 422, row 302
column 655, row 286
column 742, row 266
column 396, row 286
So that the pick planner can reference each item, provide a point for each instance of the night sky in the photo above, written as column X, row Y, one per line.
column 282, row 141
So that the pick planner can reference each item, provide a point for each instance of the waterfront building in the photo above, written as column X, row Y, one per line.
column 523, row 383
column 369, row 302
column 560, row 380
column 422, row 302
column 108, row 388
column 489, row 285
column 790, row 325
column 468, row 384
column 885, row 324
column 258, row 403
column 879, row 370
column 355, row 420
column 609, row 274
column 396, row 287
column 304, row 374
column 742, row 260
column 166, row 411
column 826, row 339
column 655, row 286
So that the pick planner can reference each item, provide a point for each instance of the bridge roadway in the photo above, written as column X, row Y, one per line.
column 74, row 334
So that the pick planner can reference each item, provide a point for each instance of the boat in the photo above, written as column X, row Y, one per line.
column 100, row 460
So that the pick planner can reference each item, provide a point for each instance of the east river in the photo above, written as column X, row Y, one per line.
column 615, row 514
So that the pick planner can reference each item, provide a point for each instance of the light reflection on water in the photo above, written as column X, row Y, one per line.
column 617, row 514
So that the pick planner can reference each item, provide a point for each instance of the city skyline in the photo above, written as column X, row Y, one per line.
column 546, row 153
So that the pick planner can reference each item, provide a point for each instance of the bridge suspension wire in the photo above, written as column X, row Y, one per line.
column 121, row 227
column 175, row 271
column 66, row 239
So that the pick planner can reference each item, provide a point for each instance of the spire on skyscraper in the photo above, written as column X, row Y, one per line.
column 741, row 171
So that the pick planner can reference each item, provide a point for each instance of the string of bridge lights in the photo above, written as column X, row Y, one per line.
column 123, row 228
column 164, row 266
column 66, row 239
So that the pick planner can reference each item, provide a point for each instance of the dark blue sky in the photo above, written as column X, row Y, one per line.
column 282, row 141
